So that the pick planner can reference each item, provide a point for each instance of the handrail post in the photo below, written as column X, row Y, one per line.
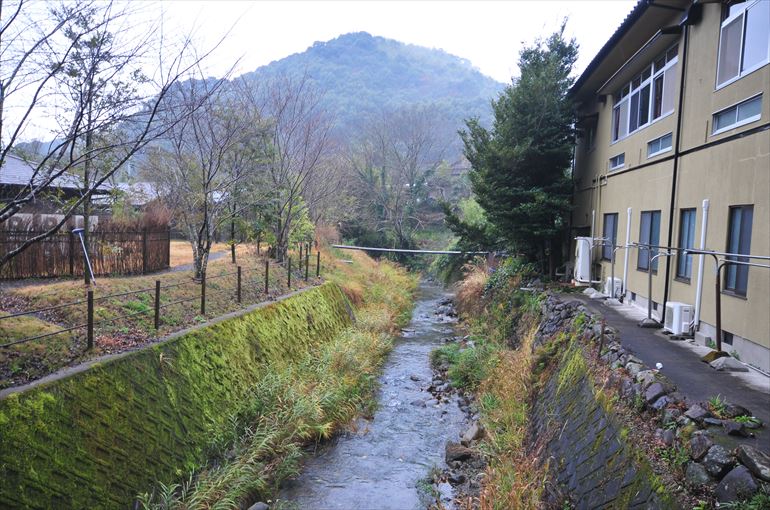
column 318, row 264
column 267, row 276
column 718, row 303
column 157, row 304
column 203, row 293
column 288, row 273
column 612, row 274
column 238, row 290
column 90, row 320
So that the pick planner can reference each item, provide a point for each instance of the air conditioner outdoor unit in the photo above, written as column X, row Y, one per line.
column 678, row 317
column 608, row 287
column 583, row 259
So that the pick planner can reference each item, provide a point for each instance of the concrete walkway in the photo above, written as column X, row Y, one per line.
column 696, row 380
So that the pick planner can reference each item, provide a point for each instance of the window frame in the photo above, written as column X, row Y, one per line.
column 612, row 168
column 660, row 151
column 628, row 90
column 680, row 257
column 744, row 7
column 653, row 251
column 613, row 239
column 737, row 123
column 737, row 291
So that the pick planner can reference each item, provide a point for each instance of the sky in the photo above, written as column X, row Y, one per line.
column 488, row 33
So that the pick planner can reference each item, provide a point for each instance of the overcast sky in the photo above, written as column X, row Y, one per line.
column 488, row 33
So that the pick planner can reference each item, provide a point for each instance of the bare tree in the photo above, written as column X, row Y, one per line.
column 208, row 156
column 298, row 159
column 392, row 164
column 80, row 53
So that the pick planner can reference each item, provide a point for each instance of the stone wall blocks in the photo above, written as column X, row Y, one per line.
column 737, row 485
column 718, row 461
column 756, row 461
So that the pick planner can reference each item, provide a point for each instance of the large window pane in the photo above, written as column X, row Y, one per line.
column 644, row 105
column 610, row 233
column 657, row 102
column 655, row 237
column 725, row 119
column 730, row 50
column 757, row 32
column 669, row 89
column 686, row 240
column 644, row 238
column 634, row 122
column 623, row 120
column 739, row 242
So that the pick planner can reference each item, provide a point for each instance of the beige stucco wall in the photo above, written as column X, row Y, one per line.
column 734, row 173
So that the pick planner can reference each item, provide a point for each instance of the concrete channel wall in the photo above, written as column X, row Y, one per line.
column 591, row 456
column 97, row 435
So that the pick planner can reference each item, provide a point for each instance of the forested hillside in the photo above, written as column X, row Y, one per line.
column 361, row 74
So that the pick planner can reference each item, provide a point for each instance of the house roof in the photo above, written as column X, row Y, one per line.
column 139, row 193
column 16, row 171
column 644, row 20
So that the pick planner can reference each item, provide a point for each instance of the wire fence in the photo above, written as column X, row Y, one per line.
column 157, row 293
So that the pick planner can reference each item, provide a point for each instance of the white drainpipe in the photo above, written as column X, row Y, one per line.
column 625, row 251
column 699, row 290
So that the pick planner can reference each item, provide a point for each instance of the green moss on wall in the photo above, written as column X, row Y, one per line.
column 98, row 437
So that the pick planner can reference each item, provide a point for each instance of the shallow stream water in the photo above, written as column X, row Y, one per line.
column 379, row 465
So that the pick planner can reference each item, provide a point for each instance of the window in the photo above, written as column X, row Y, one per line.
column 649, row 233
column 590, row 138
column 744, row 40
column 686, row 241
column 738, row 241
column 738, row 115
column 610, row 234
column 727, row 337
column 648, row 97
column 617, row 161
column 659, row 145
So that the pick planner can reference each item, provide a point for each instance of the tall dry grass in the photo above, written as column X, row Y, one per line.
column 469, row 297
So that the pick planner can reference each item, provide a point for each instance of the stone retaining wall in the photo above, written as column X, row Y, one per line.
column 96, row 438
column 590, row 454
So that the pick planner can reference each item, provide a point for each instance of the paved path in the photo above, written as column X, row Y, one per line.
column 189, row 267
column 693, row 378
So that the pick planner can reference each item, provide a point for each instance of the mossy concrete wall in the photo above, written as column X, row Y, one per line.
column 97, row 437
column 592, row 457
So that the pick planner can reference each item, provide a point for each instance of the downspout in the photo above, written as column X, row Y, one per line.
column 699, row 291
column 677, row 150
column 625, row 254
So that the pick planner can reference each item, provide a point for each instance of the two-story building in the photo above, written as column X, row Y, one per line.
column 674, row 152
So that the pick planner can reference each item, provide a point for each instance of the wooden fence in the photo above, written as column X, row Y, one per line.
column 111, row 253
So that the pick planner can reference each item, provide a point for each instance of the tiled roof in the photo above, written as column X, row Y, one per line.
column 16, row 171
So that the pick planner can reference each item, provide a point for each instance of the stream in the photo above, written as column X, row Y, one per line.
column 378, row 464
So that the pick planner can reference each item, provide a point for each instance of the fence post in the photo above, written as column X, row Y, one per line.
column 90, row 320
column 157, row 304
column 318, row 265
column 72, row 253
column 144, row 250
column 203, row 293
column 267, row 274
column 307, row 263
column 238, row 292
column 288, row 273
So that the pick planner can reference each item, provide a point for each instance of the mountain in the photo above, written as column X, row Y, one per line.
column 361, row 74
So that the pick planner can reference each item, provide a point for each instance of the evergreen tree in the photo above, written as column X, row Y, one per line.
column 520, row 167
